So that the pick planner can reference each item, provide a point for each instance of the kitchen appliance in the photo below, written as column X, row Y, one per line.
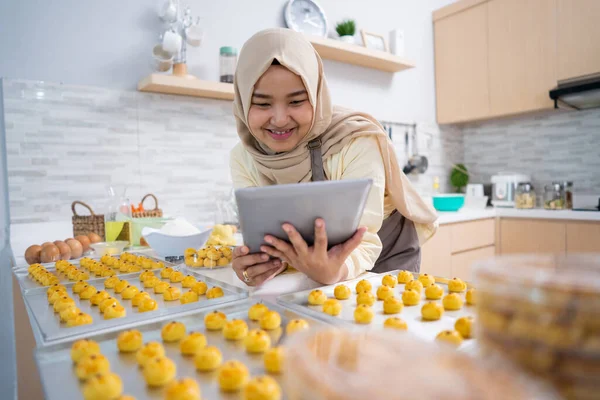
column 578, row 93
column 504, row 186
column 590, row 208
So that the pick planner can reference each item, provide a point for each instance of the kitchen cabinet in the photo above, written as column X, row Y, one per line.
column 462, row 263
column 461, row 65
column 583, row 237
column 472, row 234
column 436, row 253
column 522, row 55
column 532, row 236
column 578, row 46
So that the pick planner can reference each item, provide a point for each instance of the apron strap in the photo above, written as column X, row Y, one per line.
column 316, row 160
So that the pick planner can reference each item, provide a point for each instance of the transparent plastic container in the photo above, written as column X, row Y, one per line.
column 337, row 364
column 543, row 312
column 227, row 63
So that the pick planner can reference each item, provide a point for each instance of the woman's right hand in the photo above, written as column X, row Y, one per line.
column 259, row 269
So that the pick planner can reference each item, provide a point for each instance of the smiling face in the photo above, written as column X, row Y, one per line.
column 280, row 114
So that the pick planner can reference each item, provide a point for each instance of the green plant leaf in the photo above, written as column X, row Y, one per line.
column 459, row 177
column 346, row 27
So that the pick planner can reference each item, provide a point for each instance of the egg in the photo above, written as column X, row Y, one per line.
column 47, row 244
column 33, row 253
column 85, row 242
column 76, row 248
column 49, row 254
column 65, row 250
column 94, row 237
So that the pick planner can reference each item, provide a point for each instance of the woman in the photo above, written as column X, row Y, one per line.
column 291, row 133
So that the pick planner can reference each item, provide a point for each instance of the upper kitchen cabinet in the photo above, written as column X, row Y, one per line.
column 461, row 64
column 522, row 55
column 578, row 43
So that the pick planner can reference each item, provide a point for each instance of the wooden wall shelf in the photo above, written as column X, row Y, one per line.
column 359, row 55
column 171, row 84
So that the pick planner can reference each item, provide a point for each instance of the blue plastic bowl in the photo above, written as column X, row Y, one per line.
column 448, row 202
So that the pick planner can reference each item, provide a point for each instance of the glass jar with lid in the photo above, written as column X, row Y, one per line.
column 227, row 63
column 554, row 197
column 525, row 195
column 567, row 187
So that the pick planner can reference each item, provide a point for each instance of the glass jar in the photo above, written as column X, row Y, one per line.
column 525, row 195
column 567, row 187
column 227, row 63
column 554, row 197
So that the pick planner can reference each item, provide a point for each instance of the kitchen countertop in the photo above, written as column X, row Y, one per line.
column 464, row 215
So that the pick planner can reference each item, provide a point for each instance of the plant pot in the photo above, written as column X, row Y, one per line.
column 347, row 39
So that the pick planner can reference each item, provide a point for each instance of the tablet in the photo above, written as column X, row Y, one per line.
column 263, row 210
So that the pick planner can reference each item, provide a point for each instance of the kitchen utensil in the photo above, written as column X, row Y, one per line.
column 168, row 11
column 448, row 202
column 167, row 245
column 161, row 59
column 109, row 248
column 476, row 202
column 171, row 42
column 194, row 35
column 504, row 186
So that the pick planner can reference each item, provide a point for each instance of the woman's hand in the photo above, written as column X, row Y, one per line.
column 316, row 261
column 259, row 269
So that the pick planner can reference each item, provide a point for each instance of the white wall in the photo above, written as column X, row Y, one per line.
column 106, row 43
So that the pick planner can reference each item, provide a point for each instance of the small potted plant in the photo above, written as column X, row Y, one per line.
column 346, row 29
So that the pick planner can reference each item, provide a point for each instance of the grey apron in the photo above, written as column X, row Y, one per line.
column 398, row 235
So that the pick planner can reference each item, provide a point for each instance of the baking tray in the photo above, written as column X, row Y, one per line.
column 52, row 330
column 426, row 330
column 59, row 380
column 28, row 283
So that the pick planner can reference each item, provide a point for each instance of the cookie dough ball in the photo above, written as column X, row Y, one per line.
column 144, row 276
column 91, row 365
column 148, row 351
column 464, row 326
column 233, row 376
column 122, row 285
column 215, row 320
column 456, row 285
column 389, row 280
column 363, row 314
column 87, row 292
column 392, row 305
column 236, row 329
column 452, row 302
column 257, row 341
column 99, row 297
column 69, row 313
column 139, row 297
column 273, row 360
column 115, row 311
column 434, row 292
column 102, row 387
column 365, row 297
column 471, row 296
column 159, row 371
column 208, row 358
column 256, row 311
column 165, row 273
column 411, row 297
column 78, row 286
column 189, row 297
column 183, row 389
column 148, row 305
column 342, row 292
column 451, row 337
column 270, row 320
column 214, row 293
column 395, row 323
column 188, row 282
column 192, row 343
column 81, row 319
column 106, row 303
column 384, row 292
column 161, row 287
column 316, row 298
column 83, row 348
column 200, row 288
column 63, row 303
column 432, row 311
column 262, row 388
column 129, row 292
column 426, row 279
column 296, row 325
column 171, row 294
column 173, row 331
column 363, row 286
column 57, row 294
column 332, row 307
column 129, row 341
column 405, row 276
column 414, row 285
column 176, row 276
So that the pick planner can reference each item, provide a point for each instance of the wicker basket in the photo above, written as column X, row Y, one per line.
column 155, row 213
column 85, row 224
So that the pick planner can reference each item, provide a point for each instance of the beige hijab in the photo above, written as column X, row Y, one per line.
column 335, row 126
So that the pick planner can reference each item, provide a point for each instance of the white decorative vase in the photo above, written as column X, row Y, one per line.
column 347, row 39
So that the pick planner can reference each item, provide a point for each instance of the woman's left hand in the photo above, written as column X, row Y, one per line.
column 318, row 263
